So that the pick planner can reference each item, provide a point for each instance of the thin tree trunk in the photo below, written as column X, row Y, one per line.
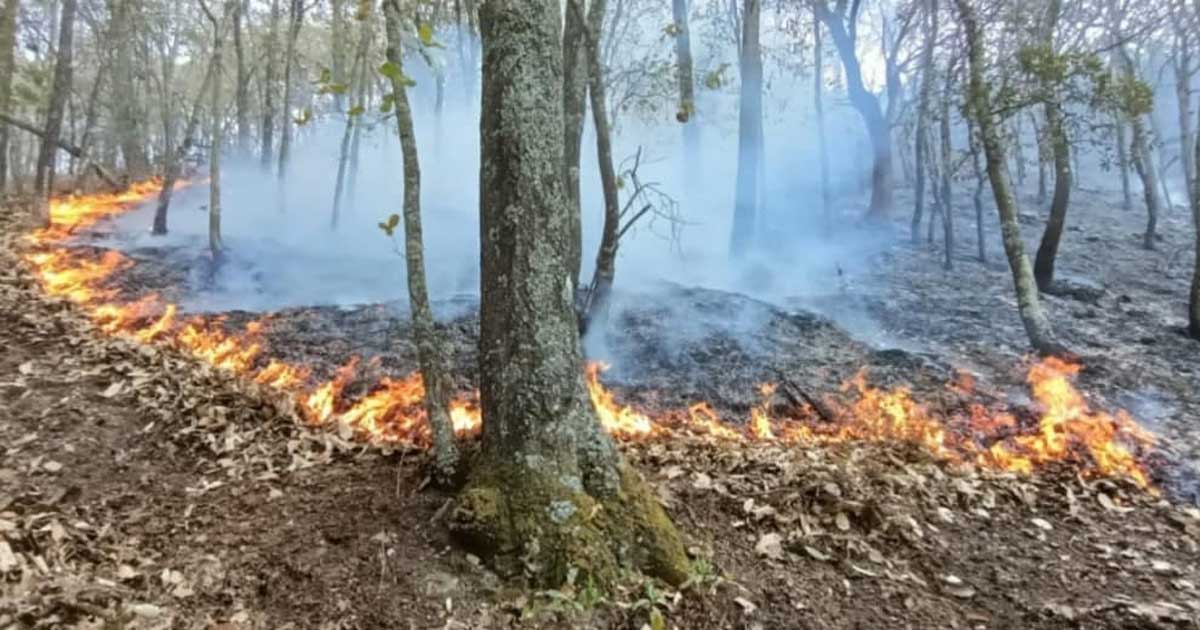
column 295, row 19
column 945, row 172
column 1143, row 163
column 606, row 256
column 337, row 47
column 1037, row 325
column 1056, row 137
column 91, row 117
column 921, row 135
column 177, row 156
column 550, row 488
column 269, row 80
column 215, row 245
column 1123, row 161
column 44, row 177
column 63, row 145
column 819, row 108
column 8, row 41
column 242, row 81
column 1194, row 297
column 366, row 95
column 353, row 119
column 431, row 350
column 980, row 181
column 686, row 81
column 750, row 134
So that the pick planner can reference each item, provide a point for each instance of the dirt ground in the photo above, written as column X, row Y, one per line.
column 139, row 489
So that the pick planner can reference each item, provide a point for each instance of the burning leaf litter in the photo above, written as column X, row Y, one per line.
column 1067, row 429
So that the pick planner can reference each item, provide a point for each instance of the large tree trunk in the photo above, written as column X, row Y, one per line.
column 574, row 64
column 431, row 351
column 177, row 155
column 8, row 41
column 44, row 177
column 867, row 106
column 1056, row 136
column 269, row 80
column 750, row 134
column 551, row 494
column 922, row 134
column 128, row 115
column 979, row 104
column 819, row 108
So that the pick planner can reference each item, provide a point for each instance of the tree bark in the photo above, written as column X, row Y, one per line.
column 295, row 19
column 867, row 105
column 1194, row 297
column 574, row 64
column 1123, row 161
column 242, row 81
column 63, row 145
column 269, row 80
column 8, row 41
column 128, row 115
column 1037, row 325
column 947, row 147
column 606, row 256
column 1143, row 163
column 686, row 81
column 431, row 350
column 819, row 108
column 551, row 495
column 177, row 156
column 980, row 182
column 921, row 144
column 215, row 245
column 44, row 177
column 1056, row 137
column 337, row 47
column 750, row 134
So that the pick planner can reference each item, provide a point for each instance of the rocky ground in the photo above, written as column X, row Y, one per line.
column 139, row 489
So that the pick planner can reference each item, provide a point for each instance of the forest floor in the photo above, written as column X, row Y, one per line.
column 141, row 489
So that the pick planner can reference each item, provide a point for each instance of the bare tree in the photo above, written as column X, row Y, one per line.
column 922, row 130
column 819, row 110
column 175, row 158
column 8, row 40
column 215, row 245
column 1059, row 143
column 269, row 81
column 127, row 104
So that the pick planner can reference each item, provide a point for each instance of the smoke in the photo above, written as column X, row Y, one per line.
column 283, row 252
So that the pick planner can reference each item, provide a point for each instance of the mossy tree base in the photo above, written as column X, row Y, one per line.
column 524, row 522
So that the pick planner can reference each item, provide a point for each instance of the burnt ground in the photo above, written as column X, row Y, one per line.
column 139, row 489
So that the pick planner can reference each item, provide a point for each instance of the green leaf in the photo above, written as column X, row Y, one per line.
column 388, row 102
column 391, row 70
column 325, row 77
column 657, row 622
column 425, row 33
column 357, row 110
column 389, row 226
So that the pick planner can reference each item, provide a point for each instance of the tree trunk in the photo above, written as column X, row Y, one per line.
column 867, row 106
column 551, row 494
column 1143, row 163
column 921, row 144
column 1056, row 137
column 686, row 81
column 215, row 246
column 980, row 181
column 574, row 64
column 1123, row 161
column 750, row 134
column 44, row 177
column 268, row 120
column 8, row 41
column 606, row 256
column 71, row 149
column 337, row 47
column 128, row 115
column 177, row 156
column 431, row 351
column 91, row 116
column 295, row 19
column 242, row 81
column 1037, row 325
column 357, row 78
column 819, row 108
column 1194, row 297
column 945, row 172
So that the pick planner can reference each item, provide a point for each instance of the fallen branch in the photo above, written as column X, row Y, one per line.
column 798, row 397
column 73, row 150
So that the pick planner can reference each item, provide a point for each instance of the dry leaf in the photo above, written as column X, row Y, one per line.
column 770, row 546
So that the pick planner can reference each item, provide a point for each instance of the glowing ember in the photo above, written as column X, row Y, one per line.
column 392, row 411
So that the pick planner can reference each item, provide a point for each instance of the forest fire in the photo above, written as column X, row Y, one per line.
column 392, row 411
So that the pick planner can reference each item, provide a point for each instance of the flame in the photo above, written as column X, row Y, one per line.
column 392, row 410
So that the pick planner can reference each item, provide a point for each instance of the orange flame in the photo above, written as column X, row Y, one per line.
column 1067, row 429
